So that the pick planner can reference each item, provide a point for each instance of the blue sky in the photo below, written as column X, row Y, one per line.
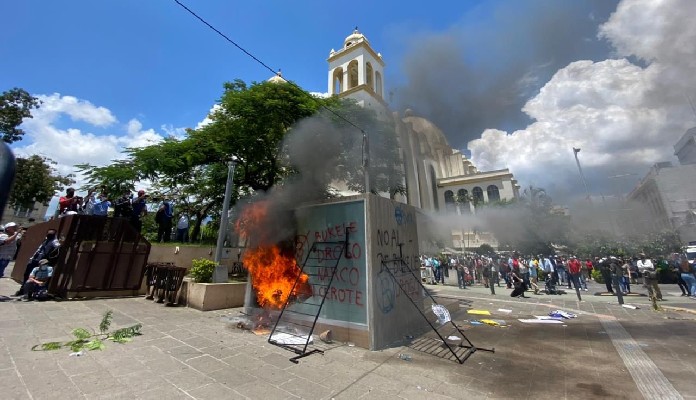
column 512, row 83
column 153, row 61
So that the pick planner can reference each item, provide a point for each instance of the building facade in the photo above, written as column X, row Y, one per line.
column 667, row 193
column 438, row 178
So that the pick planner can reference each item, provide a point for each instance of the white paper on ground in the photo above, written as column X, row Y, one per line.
column 505, row 310
column 453, row 338
column 629, row 306
column 547, row 317
column 284, row 338
column 540, row 321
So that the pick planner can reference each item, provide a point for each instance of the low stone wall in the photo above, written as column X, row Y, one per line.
column 212, row 296
column 186, row 254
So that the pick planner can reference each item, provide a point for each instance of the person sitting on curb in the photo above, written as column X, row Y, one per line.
column 48, row 249
column 38, row 280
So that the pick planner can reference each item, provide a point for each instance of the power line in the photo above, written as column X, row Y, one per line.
column 206, row 23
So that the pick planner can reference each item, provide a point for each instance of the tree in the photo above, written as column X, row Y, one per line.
column 485, row 249
column 36, row 180
column 15, row 105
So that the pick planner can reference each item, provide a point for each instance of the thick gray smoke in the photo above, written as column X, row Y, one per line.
column 475, row 77
column 320, row 154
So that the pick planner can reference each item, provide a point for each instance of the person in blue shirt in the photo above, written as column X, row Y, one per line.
column 101, row 206
column 48, row 251
column 38, row 279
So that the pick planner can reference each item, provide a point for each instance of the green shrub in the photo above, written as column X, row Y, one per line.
column 597, row 276
column 202, row 270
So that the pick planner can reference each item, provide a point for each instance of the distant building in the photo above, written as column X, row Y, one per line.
column 25, row 216
column 668, row 196
column 685, row 149
column 438, row 178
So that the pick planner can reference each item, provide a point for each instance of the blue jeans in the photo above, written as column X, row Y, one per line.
column 3, row 265
column 625, row 284
column 690, row 281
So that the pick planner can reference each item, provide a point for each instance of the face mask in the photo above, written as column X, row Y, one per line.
column 50, row 236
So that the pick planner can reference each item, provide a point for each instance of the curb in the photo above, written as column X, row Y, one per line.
column 670, row 308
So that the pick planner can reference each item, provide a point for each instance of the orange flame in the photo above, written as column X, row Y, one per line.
column 273, row 275
column 273, row 272
column 251, row 218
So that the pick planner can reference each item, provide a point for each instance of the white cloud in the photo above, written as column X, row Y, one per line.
column 71, row 146
column 623, row 116
column 78, row 110
column 207, row 120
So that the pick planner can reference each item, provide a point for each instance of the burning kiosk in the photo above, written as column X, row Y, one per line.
column 336, row 263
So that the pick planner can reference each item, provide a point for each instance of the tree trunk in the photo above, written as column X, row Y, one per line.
column 195, row 235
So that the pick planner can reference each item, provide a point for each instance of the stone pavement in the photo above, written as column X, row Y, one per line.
column 184, row 353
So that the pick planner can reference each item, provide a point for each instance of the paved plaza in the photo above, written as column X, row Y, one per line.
column 606, row 352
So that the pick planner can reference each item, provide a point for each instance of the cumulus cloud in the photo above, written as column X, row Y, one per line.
column 78, row 110
column 70, row 146
column 624, row 113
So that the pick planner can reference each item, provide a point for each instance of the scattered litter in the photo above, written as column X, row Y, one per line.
column 405, row 357
column 286, row 338
column 443, row 315
column 548, row 317
column 409, row 337
column 562, row 314
column 505, row 310
column 540, row 321
column 77, row 354
column 494, row 322
column 602, row 332
column 479, row 312
column 351, row 344
column 475, row 322
column 629, row 306
column 453, row 337
column 326, row 336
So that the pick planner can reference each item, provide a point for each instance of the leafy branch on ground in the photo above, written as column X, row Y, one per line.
column 91, row 340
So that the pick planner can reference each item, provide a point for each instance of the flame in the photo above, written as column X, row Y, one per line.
column 273, row 272
column 251, row 218
column 273, row 275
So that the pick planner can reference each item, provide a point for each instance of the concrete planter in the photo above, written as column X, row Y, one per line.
column 212, row 296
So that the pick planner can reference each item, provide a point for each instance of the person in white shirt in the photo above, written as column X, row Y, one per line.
column 8, row 245
column 647, row 270
column 182, row 229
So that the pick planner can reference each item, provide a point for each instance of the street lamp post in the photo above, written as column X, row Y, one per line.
column 220, row 275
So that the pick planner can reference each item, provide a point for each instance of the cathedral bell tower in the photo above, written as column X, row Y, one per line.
column 356, row 71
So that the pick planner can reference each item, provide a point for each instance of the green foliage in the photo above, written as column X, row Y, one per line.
column 485, row 249
column 202, row 270
column 106, row 321
column 15, row 105
column 601, row 244
column 93, row 341
column 597, row 275
column 95, row 344
column 36, row 181
column 81, row 333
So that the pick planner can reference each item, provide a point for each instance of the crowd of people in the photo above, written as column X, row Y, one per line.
column 526, row 273
column 127, row 206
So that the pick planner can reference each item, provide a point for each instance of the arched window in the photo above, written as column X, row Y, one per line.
column 378, row 83
column 450, row 205
column 477, row 194
column 493, row 193
column 368, row 76
column 463, row 200
column 352, row 74
column 337, row 80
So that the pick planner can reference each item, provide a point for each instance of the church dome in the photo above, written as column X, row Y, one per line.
column 427, row 131
column 353, row 38
column 277, row 78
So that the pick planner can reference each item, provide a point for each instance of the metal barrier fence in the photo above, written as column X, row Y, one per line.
column 98, row 254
